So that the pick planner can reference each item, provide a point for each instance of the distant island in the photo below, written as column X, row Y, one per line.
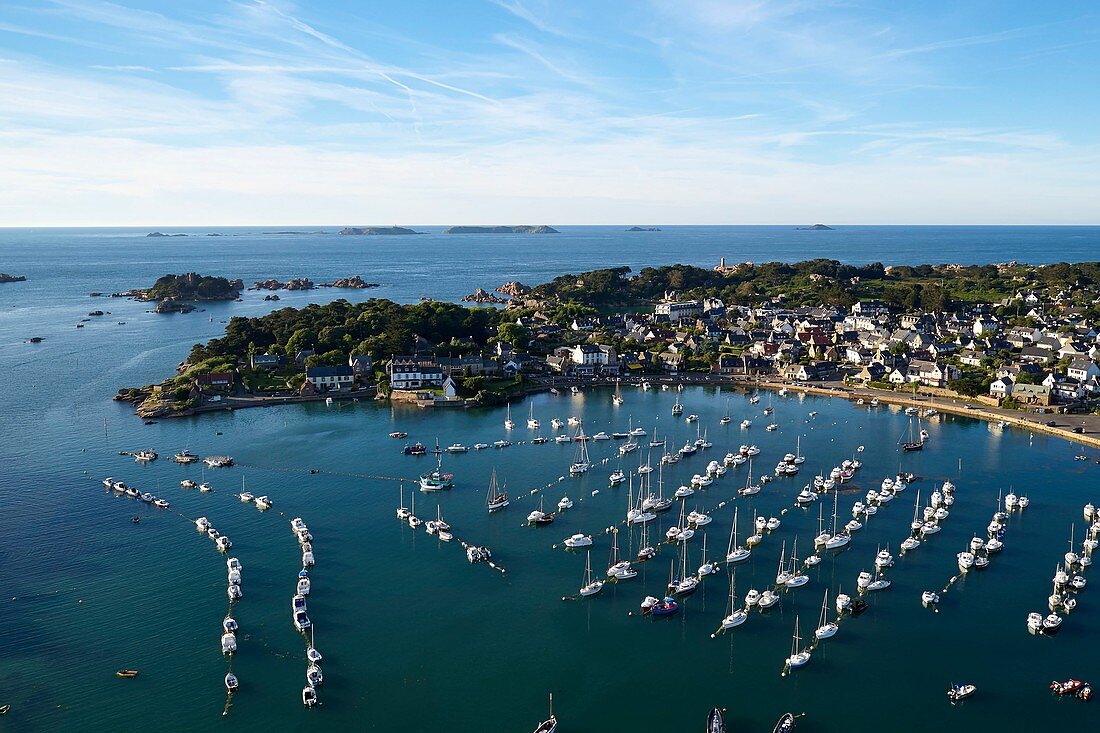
column 815, row 228
column 644, row 229
column 376, row 230
column 162, row 234
column 6, row 278
column 524, row 229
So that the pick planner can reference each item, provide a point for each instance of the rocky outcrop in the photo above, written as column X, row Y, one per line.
column 525, row 229
column 171, row 305
column 6, row 278
column 514, row 289
column 482, row 296
column 162, row 234
column 644, row 229
column 298, row 283
column 271, row 297
column 376, row 230
column 352, row 283
column 816, row 228
column 191, row 286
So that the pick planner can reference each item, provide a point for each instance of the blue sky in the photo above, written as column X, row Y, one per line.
column 210, row 112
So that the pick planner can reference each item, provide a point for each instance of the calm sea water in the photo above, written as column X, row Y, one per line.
column 414, row 637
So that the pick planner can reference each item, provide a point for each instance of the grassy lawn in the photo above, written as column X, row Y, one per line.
column 263, row 381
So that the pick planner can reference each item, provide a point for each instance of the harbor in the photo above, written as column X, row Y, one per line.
column 350, row 502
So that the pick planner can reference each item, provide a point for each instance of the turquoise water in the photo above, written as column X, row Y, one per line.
column 414, row 637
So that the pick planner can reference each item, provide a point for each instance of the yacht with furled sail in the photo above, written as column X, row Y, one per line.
column 687, row 583
column 798, row 658
column 497, row 498
column 913, row 444
column 736, row 616
column 617, row 567
column 736, row 553
column 582, row 463
column 550, row 725
column 706, row 568
column 540, row 516
column 532, row 422
column 509, row 423
column 591, row 587
column 825, row 628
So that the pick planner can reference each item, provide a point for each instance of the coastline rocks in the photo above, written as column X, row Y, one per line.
column 6, row 278
column 481, row 296
column 298, row 283
column 171, row 305
column 644, row 229
column 162, row 234
column 525, row 229
column 514, row 289
column 815, row 228
column 375, row 230
column 354, row 282
column 271, row 297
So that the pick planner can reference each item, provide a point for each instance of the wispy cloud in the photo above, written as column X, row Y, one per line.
column 562, row 111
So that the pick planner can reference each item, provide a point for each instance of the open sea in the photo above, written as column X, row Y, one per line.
column 414, row 637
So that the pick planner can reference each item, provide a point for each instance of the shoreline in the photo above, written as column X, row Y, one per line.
column 1090, row 423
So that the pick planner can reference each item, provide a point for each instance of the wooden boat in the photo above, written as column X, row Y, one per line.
column 715, row 722
column 126, row 673
column 785, row 724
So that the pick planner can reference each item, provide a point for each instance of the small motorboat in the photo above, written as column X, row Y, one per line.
column 314, row 676
column 929, row 598
column 398, row 434
column 229, row 625
column 309, row 696
column 960, row 692
column 1069, row 687
column 785, row 724
column 664, row 607
column 715, row 722
column 126, row 673
column 229, row 643
column 578, row 540
column 231, row 683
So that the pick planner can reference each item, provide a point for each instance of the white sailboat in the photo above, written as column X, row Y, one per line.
column 736, row 616
column 616, row 567
column 825, row 629
column 591, row 587
column 706, row 568
column 797, row 658
column 497, row 499
column 532, row 423
column 736, row 553
column 509, row 423
column 582, row 464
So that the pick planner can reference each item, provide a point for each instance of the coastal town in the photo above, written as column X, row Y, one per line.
column 1033, row 350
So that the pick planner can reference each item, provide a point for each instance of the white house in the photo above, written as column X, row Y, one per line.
column 681, row 310
column 407, row 372
column 1001, row 387
column 327, row 379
